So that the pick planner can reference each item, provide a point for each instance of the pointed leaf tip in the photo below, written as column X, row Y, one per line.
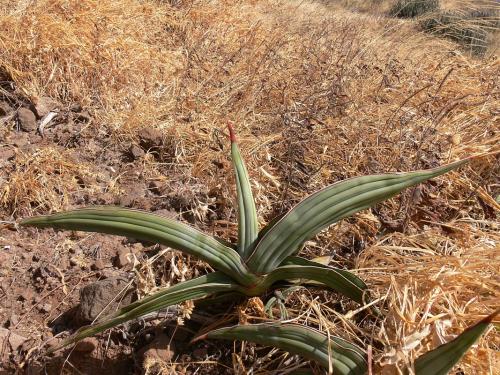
column 442, row 359
column 232, row 134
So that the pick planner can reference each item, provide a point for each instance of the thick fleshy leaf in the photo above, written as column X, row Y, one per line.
column 330, row 352
column 299, row 261
column 248, row 226
column 330, row 277
column 328, row 206
column 153, row 228
column 201, row 287
column 442, row 359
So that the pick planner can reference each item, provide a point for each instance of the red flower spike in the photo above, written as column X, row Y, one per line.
column 232, row 134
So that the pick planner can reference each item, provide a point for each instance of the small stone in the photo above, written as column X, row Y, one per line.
column 27, row 120
column 87, row 345
column 98, row 265
column 136, row 152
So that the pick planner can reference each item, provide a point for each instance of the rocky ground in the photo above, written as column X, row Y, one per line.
column 54, row 282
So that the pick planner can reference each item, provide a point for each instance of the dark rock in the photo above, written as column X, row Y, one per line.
column 87, row 345
column 26, row 119
column 136, row 152
column 103, row 297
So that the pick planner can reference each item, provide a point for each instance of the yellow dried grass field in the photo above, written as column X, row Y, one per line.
column 318, row 94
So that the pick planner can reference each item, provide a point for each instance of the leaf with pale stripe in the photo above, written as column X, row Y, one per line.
column 248, row 227
column 343, row 357
column 153, row 228
column 330, row 277
column 201, row 287
column 328, row 206
column 442, row 359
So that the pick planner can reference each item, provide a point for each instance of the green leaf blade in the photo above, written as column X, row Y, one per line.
column 247, row 215
column 342, row 281
column 149, row 227
column 201, row 287
column 344, row 357
column 442, row 359
column 328, row 206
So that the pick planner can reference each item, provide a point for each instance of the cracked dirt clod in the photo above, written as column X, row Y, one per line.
column 103, row 298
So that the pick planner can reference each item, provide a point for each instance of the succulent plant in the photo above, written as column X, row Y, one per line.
column 258, row 262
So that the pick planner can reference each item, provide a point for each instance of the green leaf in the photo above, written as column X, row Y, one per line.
column 328, row 276
column 248, row 226
column 328, row 206
column 352, row 278
column 153, row 228
column 342, row 356
column 201, row 287
column 442, row 359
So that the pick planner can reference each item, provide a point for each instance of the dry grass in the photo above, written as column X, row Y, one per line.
column 317, row 96
column 43, row 181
